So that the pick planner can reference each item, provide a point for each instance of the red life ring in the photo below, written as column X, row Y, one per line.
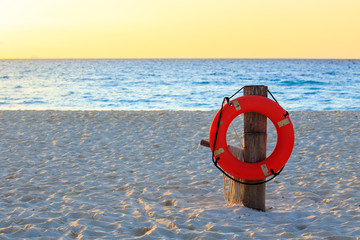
column 283, row 148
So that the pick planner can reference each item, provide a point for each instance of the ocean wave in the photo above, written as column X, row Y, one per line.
column 176, row 84
column 330, row 73
column 201, row 83
column 290, row 83
column 29, row 102
column 68, row 94
column 310, row 93
column 218, row 74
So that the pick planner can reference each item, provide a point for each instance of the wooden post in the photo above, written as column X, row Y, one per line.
column 255, row 127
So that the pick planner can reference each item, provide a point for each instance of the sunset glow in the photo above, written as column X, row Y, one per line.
column 179, row 29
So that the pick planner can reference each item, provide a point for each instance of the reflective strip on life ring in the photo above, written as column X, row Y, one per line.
column 284, row 144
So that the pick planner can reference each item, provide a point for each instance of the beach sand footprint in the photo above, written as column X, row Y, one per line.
column 141, row 231
column 171, row 203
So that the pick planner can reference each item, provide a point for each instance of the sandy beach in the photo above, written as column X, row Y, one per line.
column 143, row 175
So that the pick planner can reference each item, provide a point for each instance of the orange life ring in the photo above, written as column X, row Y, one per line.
column 284, row 144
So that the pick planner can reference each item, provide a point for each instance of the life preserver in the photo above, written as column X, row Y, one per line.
column 284, row 144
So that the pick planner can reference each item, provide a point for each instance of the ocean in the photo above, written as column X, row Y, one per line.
column 175, row 84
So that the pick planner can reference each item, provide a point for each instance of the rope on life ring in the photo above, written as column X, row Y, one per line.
column 273, row 164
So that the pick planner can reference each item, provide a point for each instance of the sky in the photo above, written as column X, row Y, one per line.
column 179, row 29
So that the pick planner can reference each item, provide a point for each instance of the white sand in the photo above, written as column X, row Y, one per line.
column 142, row 175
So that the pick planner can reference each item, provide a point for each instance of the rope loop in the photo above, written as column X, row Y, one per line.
column 286, row 114
column 227, row 99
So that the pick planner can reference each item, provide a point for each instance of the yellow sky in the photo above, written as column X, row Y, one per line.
column 179, row 28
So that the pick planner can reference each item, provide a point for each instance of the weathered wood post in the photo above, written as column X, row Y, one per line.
column 255, row 136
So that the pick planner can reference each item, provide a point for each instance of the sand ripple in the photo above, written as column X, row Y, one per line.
column 142, row 175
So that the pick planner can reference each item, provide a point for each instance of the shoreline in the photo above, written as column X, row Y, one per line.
column 148, row 110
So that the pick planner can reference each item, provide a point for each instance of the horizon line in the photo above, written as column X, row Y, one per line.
column 175, row 58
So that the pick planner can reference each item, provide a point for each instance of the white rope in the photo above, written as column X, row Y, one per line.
column 237, row 135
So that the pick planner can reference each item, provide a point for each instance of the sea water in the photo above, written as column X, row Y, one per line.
column 175, row 84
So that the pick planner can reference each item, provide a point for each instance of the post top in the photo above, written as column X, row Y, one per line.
column 260, row 90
